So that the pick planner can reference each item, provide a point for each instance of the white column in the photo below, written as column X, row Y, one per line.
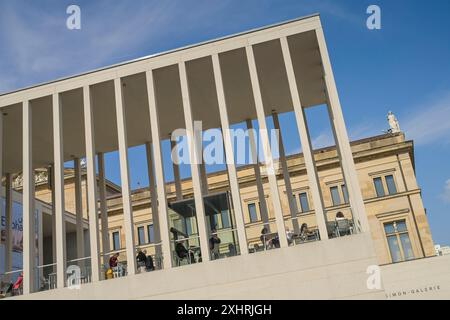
column 79, row 210
column 342, row 141
column 124, row 175
column 40, row 245
column 229, row 154
column 51, row 177
column 91, row 184
column 8, row 223
column 287, row 179
column 193, row 157
column 305, row 140
column 59, row 191
column 153, row 199
column 271, row 175
column 176, row 170
column 29, row 252
column 203, row 175
column 7, row 219
column 103, row 205
column 264, row 211
column 159, row 173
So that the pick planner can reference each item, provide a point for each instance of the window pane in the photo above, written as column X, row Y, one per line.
column 379, row 187
column 345, row 193
column 304, row 204
column 389, row 228
column 189, row 230
column 394, row 248
column 116, row 241
column 226, row 219
column 392, row 189
column 406, row 246
column 141, row 235
column 252, row 212
column 151, row 233
column 335, row 196
column 401, row 226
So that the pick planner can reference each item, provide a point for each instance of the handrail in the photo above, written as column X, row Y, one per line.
column 222, row 231
column 11, row 272
column 46, row 265
column 186, row 239
column 79, row 259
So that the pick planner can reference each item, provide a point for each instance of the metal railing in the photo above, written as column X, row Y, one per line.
column 81, row 269
column 47, row 276
column 229, row 245
column 301, row 229
column 262, row 236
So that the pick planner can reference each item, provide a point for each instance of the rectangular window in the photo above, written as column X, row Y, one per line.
column 151, row 233
column 226, row 219
column 141, row 235
column 116, row 240
column 335, row 196
column 252, row 212
column 398, row 241
column 304, row 204
column 379, row 187
column 345, row 193
column 392, row 189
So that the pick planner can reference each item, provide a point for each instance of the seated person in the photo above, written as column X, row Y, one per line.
column 275, row 242
column 149, row 263
column 18, row 284
column 183, row 253
column 340, row 216
column 114, row 260
column 289, row 235
column 231, row 250
column 6, row 290
column 265, row 241
column 141, row 258
column 305, row 233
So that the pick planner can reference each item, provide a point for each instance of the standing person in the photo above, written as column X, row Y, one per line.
column 214, row 242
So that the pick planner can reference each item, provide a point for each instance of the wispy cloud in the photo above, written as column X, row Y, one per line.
column 445, row 196
column 37, row 46
column 324, row 139
column 429, row 122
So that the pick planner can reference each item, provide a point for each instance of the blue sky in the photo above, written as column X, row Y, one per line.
column 404, row 67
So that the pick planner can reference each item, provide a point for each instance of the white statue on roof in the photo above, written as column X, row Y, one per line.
column 394, row 126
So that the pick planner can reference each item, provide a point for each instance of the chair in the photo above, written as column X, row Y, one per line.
column 332, row 229
column 343, row 227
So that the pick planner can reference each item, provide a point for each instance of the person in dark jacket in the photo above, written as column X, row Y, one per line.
column 214, row 242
